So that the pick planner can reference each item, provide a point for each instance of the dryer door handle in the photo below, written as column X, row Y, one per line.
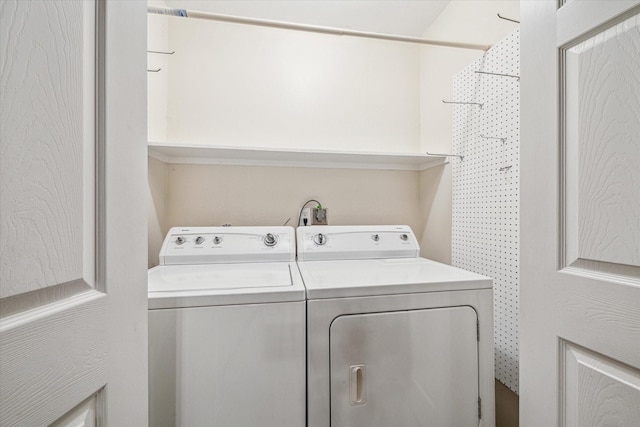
column 357, row 391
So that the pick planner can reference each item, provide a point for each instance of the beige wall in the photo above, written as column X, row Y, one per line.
column 157, row 208
column 463, row 21
column 435, row 221
column 263, row 195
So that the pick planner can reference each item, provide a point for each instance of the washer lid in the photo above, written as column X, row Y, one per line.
column 353, row 278
column 223, row 284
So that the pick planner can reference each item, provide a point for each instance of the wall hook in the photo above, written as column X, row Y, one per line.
column 466, row 103
column 508, row 19
column 498, row 74
column 503, row 139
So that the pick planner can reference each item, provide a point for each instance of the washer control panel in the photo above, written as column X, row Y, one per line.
column 209, row 245
column 331, row 242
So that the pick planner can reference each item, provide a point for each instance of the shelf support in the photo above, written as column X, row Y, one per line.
column 446, row 155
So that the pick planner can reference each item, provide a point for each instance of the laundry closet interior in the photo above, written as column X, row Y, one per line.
column 248, row 122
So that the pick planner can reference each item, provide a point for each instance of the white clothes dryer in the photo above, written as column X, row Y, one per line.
column 227, row 329
column 393, row 339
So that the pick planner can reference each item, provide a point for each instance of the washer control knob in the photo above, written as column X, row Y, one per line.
column 404, row 237
column 199, row 240
column 270, row 239
column 320, row 239
column 217, row 240
column 375, row 237
column 180, row 240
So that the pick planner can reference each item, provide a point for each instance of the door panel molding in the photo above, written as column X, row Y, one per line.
column 600, row 317
column 34, row 299
column 600, row 185
column 65, row 345
column 590, row 14
column 17, row 297
column 596, row 390
column 83, row 415
column 47, row 203
column 100, row 115
column 612, row 273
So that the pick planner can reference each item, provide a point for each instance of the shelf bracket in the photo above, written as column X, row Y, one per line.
column 446, row 155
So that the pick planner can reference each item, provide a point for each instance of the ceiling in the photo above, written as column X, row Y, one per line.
column 400, row 17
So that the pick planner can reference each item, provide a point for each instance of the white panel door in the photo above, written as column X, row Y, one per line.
column 580, row 224
column 72, row 221
column 405, row 368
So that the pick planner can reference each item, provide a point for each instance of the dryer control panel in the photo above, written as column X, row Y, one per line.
column 210, row 245
column 335, row 242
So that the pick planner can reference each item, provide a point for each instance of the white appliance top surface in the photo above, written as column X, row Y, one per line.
column 174, row 286
column 351, row 278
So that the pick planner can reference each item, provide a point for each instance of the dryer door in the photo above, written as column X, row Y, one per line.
column 405, row 368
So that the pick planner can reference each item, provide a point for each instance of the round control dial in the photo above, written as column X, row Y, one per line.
column 217, row 240
column 270, row 239
column 375, row 237
column 320, row 239
column 199, row 240
column 180, row 240
column 404, row 237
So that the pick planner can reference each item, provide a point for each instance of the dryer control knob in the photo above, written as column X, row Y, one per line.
column 320, row 239
column 375, row 237
column 217, row 240
column 199, row 240
column 180, row 240
column 270, row 239
column 404, row 237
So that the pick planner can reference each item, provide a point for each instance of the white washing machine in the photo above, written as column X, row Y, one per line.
column 393, row 339
column 227, row 329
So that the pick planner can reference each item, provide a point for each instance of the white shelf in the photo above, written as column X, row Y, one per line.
column 203, row 154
